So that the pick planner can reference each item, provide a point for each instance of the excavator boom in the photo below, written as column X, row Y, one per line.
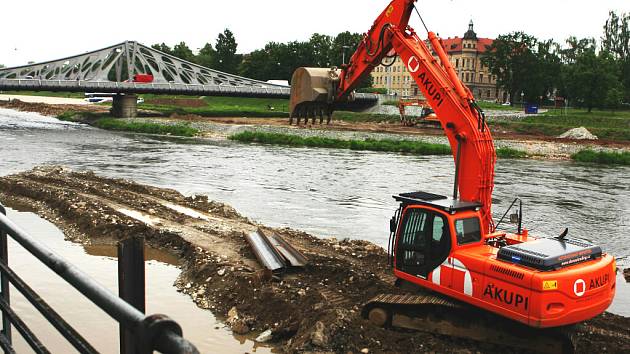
column 316, row 91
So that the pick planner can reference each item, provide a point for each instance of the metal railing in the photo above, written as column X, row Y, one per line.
column 153, row 332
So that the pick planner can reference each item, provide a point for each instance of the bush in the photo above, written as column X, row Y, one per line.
column 602, row 157
column 385, row 145
column 148, row 128
column 509, row 153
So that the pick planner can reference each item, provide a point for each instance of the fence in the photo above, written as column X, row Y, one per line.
column 144, row 334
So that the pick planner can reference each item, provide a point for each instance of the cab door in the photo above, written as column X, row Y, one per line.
column 423, row 242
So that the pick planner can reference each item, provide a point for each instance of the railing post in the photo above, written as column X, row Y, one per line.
column 131, row 285
column 4, row 280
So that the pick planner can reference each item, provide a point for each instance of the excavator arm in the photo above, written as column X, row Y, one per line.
column 317, row 90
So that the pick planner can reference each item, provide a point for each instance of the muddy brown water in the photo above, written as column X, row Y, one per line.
column 326, row 192
column 98, row 261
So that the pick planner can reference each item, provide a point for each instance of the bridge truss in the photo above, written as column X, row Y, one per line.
column 112, row 69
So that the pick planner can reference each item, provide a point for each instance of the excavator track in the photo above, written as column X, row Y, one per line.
column 437, row 314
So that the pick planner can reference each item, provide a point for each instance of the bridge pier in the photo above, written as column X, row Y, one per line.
column 125, row 106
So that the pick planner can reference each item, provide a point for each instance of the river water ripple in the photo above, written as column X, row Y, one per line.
column 326, row 192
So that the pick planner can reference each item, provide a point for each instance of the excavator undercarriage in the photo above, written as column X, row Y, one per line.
column 426, row 311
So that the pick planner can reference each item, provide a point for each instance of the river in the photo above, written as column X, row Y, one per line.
column 326, row 192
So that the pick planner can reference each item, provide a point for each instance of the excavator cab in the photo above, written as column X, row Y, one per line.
column 425, row 229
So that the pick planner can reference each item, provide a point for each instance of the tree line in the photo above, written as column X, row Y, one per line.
column 586, row 72
column 276, row 61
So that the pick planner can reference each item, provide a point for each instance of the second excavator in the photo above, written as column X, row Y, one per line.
column 450, row 245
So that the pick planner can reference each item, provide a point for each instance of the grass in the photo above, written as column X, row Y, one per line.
column 148, row 128
column 499, row 107
column 406, row 146
column 509, row 153
column 103, row 121
column 612, row 126
column 223, row 107
column 384, row 145
column 602, row 157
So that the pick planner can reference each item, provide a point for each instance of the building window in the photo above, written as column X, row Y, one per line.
column 487, row 93
column 457, row 63
column 467, row 77
column 481, row 78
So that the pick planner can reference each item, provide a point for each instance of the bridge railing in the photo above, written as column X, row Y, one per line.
column 153, row 332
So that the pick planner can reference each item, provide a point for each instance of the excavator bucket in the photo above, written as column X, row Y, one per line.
column 312, row 94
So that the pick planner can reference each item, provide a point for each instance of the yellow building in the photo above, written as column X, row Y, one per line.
column 464, row 54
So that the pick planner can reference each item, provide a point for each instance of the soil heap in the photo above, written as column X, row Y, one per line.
column 315, row 309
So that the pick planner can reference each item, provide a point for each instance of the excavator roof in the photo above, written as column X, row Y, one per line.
column 435, row 200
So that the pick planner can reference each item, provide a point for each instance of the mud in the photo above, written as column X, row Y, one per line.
column 50, row 109
column 314, row 309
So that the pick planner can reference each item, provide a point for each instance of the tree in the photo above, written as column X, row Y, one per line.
column 256, row 65
column 614, row 97
column 616, row 40
column 351, row 41
column 226, row 58
column 321, row 46
column 2, row 66
column 206, row 56
column 512, row 58
column 576, row 47
column 182, row 51
column 344, row 39
column 163, row 48
column 591, row 78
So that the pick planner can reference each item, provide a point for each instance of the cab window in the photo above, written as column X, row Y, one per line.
column 468, row 230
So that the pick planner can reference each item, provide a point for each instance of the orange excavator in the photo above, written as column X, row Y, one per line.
column 449, row 248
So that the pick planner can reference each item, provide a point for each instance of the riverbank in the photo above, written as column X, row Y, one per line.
column 317, row 309
column 356, row 133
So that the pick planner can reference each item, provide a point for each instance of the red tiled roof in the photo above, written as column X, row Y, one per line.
column 455, row 44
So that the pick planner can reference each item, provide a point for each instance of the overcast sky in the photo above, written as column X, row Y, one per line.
column 45, row 30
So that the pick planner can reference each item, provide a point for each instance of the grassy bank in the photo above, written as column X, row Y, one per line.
column 603, row 157
column 103, row 121
column 217, row 106
column 148, row 128
column 613, row 126
column 386, row 145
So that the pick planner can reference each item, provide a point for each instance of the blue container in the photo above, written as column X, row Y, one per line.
column 531, row 108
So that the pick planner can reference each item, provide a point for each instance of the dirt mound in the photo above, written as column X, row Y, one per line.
column 315, row 309
column 580, row 133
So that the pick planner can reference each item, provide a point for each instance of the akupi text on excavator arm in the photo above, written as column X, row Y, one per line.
column 461, row 118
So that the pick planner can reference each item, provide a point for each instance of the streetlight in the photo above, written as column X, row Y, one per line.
column 344, row 47
column 522, row 100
